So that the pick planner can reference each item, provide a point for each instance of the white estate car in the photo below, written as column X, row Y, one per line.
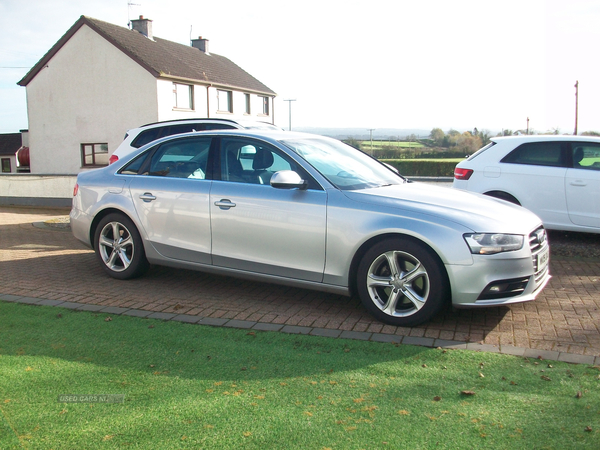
column 140, row 136
column 556, row 177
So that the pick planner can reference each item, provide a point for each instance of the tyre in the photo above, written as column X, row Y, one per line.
column 119, row 247
column 402, row 283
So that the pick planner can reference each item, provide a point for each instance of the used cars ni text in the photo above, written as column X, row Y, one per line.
column 556, row 177
column 311, row 212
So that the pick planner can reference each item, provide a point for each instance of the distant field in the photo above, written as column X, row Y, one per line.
column 378, row 145
column 434, row 160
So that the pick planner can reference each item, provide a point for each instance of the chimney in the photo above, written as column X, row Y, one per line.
column 201, row 44
column 143, row 26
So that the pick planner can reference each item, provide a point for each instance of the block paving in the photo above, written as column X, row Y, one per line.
column 44, row 264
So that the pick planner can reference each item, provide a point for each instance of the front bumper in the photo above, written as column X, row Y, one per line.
column 502, row 279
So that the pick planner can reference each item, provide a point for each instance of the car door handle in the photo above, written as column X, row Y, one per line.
column 578, row 183
column 147, row 197
column 225, row 204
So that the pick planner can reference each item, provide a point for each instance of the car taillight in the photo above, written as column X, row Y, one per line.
column 75, row 190
column 462, row 174
column 113, row 159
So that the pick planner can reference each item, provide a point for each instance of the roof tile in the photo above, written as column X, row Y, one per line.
column 163, row 58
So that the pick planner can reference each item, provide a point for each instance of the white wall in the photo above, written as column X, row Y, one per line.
column 90, row 92
column 37, row 190
column 204, row 108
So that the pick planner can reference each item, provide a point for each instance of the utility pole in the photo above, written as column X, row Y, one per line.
column 576, row 104
column 528, row 126
column 371, row 132
column 290, row 100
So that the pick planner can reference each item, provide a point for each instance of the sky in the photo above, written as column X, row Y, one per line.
column 405, row 64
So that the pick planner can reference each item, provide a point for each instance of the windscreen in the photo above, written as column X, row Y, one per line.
column 345, row 167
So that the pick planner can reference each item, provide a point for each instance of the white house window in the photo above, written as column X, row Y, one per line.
column 265, row 105
column 6, row 165
column 93, row 155
column 183, row 95
column 247, row 97
column 225, row 101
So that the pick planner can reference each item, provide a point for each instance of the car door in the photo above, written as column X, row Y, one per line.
column 582, row 185
column 534, row 173
column 261, row 229
column 170, row 194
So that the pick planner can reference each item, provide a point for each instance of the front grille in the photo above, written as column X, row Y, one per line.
column 538, row 243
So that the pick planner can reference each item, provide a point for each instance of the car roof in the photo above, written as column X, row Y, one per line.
column 544, row 137
column 202, row 119
column 259, row 133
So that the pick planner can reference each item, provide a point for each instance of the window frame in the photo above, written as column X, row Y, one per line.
column 189, row 106
column 228, row 100
column 248, row 100
column 93, row 154
column 265, row 105
column 4, row 162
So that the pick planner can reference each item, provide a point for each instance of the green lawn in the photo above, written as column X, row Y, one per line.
column 190, row 386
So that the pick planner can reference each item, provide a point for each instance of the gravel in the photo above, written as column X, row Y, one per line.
column 571, row 244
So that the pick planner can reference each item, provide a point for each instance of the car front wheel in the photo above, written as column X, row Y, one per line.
column 401, row 283
column 119, row 247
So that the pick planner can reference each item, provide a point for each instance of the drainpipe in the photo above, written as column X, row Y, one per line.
column 208, row 100
column 273, row 109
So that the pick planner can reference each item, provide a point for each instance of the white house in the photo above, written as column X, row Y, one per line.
column 100, row 79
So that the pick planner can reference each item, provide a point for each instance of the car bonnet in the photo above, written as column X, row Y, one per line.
column 476, row 212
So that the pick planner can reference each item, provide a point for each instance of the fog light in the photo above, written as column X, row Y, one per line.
column 504, row 288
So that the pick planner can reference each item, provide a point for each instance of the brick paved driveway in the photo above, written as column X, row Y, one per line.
column 48, row 263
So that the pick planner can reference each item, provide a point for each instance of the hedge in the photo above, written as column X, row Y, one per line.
column 422, row 168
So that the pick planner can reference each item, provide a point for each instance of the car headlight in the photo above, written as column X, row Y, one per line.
column 491, row 243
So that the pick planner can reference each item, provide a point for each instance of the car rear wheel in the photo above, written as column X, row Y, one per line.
column 401, row 283
column 119, row 247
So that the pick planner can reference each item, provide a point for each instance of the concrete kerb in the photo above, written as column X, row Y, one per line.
column 322, row 332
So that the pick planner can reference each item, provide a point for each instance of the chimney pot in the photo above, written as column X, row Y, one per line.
column 143, row 26
column 201, row 44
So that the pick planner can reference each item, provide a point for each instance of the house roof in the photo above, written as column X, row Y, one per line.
column 10, row 143
column 162, row 58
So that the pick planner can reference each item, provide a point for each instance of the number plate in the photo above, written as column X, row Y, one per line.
column 542, row 259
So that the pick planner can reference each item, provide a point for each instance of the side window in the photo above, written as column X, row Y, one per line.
column 134, row 166
column 178, row 129
column 213, row 126
column 254, row 162
column 586, row 156
column 147, row 136
column 181, row 158
column 538, row 154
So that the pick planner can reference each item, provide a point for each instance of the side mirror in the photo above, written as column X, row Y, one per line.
column 287, row 179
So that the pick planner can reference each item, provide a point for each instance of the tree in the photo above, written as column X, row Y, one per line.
column 437, row 135
column 352, row 143
column 485, row 136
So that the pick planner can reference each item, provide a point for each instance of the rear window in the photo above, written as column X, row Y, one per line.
column 538, row 154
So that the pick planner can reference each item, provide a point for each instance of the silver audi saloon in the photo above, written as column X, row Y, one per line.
column 311, row 212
